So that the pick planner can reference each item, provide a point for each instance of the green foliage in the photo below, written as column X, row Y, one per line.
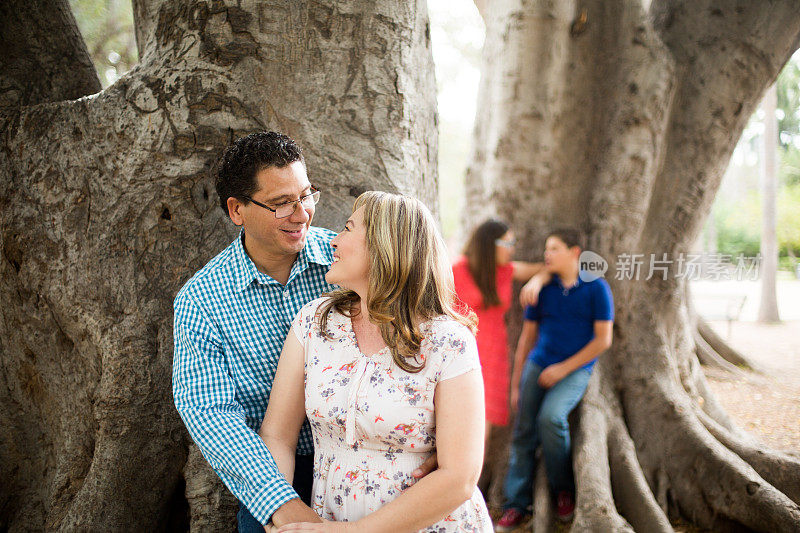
column 788, row 88
column 738, row 225
column 789, row 169
column 788, row 223
column 107, row 29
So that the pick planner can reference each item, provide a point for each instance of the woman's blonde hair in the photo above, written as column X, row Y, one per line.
column 410, row 278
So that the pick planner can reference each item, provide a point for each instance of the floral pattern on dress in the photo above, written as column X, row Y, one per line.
column 373, row 423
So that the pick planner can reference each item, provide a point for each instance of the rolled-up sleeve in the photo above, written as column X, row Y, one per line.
column 205, row 397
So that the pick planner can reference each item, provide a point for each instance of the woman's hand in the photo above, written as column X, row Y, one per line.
column 326, row 527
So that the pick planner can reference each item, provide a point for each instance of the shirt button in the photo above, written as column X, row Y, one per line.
column 286, row 294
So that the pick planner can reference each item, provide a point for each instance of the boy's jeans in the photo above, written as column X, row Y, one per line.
column 542, row 418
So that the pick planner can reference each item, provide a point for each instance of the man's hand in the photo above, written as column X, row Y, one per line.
column 426, row 468
column 552, row 375
column 293, row 511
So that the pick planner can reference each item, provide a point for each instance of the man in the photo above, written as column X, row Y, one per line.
column 569, row 326
column 232, row 317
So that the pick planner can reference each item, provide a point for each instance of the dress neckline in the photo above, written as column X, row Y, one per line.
column 351, row 331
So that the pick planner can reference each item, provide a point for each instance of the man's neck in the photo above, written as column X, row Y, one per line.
column 570, row 277
column 278, row 267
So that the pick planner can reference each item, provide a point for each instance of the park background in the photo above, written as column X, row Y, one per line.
column 764, row 402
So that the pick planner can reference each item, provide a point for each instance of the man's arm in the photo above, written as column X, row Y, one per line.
column 205, row 397
column 603, row 335
column 527, row 338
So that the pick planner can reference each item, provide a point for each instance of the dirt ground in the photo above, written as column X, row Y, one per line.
column 765, row 404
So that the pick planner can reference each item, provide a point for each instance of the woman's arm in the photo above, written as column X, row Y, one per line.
column 535, row 276
column 523, row 271
column 281, row 426
column 458, row 403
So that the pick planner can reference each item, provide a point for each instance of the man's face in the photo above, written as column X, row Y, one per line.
column 266, row 235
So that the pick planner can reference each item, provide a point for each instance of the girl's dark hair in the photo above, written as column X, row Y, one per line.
column 247, row 156
column 482, row 258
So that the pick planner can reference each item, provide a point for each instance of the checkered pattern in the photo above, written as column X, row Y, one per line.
column 230, row 324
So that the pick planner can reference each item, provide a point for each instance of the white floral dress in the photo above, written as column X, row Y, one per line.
column 373, row 423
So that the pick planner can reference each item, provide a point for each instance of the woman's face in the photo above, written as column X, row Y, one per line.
column 350, row 268
column 504, row 248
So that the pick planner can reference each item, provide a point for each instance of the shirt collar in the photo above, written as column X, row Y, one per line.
column 565, row 291
column 317, row 249
column 246, row 271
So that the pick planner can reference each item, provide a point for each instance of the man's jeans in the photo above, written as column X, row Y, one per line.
column 303, row 482
column 542, row 418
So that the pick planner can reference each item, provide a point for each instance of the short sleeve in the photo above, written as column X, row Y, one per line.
column 602, row 301
column 459, row 350
column 532, row 312
column 303, row 323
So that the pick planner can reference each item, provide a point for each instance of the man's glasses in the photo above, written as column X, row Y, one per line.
column 287, row 209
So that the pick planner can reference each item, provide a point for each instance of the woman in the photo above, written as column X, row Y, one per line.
column 483, row 278
column 387, row 372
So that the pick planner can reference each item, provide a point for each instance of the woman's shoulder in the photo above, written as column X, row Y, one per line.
column 312, row 309
column 447, row 326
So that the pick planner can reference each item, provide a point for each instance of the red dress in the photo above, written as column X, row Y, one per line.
column 492, row 338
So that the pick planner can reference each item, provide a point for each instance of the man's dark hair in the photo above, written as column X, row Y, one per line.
column 246, row 157
column 569, row 236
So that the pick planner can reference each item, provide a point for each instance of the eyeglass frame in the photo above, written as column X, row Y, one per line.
column 510, row 243
column 294, row 202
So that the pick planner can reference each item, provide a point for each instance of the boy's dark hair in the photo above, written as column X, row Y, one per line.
column 569, row 236
column 247, row 156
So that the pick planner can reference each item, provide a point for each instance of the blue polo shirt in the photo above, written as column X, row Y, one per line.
column 566, row 318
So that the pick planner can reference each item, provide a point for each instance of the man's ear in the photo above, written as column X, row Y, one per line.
column 234, row 207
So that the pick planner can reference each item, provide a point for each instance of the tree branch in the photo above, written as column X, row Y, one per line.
column 44, row 56
column 727, row 54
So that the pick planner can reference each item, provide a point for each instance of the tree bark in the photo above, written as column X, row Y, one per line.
column 107, row 206
column 620, row 120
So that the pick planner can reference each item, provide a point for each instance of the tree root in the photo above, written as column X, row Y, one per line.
column 780, row 470
column 634, row 498
column 543, row 519
column 709, row 403
column 595, row 506
column 707, row 482
column 710, row 357
column 725, row 350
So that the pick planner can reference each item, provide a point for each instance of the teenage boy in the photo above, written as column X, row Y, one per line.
column 562, row 336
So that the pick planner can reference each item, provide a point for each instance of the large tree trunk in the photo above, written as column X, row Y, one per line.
column 620, row 119
column 107, row 206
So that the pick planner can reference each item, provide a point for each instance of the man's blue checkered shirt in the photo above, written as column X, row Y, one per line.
column 230, row 324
